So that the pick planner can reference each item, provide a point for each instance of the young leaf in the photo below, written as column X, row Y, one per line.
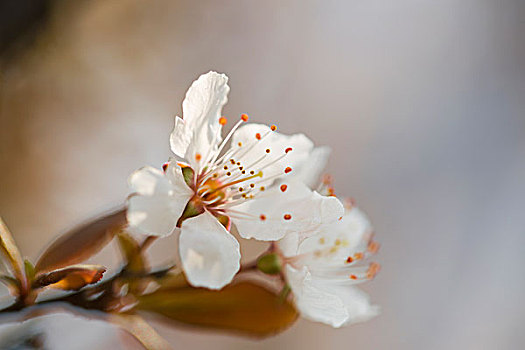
column 81, row 243
column 131, row 252
column 11, row 254
column 70, row 278
column 243, row 307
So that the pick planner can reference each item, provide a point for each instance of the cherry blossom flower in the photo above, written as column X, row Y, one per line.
column 210, row 185
column 323, row 270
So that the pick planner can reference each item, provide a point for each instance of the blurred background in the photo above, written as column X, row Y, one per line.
column 423, row 103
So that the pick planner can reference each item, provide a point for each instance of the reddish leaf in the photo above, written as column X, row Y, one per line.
column 81, row 243
column 70, row 278
column 243, row 307
column 11, row 254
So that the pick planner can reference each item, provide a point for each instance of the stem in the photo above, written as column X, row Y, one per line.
column 147, row 242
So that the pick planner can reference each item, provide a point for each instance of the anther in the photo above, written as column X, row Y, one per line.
column 244, row 117
column 243, row 172
column 287, row 170
column 252, row 172
column 223, row 120
column 288, row 150
column 354, row 277
column 252, row 185
column 349, row 260
column 225, row 167
column 198, row 157
column 240, row 144
column 284, row 187
column 262, row 217
column 232, row 161
column 267, row 150
column 258, row 136
column 165, row 166
column 358, row 256
column 273, row 127
column 262, row 188
column 287, row 216
column 228, row 173
column 373, row 247
column 241, row 189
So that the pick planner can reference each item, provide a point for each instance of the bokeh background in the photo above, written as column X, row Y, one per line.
column 423, row 103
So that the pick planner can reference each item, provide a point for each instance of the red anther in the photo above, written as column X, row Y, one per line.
column 262, row 188
column 273, row 127
column 354, row 277
column 284, row 187
column 244, row 117
column 288, row 150
column 228, row 173
column 349, row 260
column 165, row 166
column 223, row 120
column 267, row 150
column 287, row 170
column 225, row 167
column 287, row 216
column 198, row 157
column 258, row 136
column 262, row 217
column 240, row 144
column 232, row 161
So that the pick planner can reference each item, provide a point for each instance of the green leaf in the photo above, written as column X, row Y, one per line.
column 245, row 307
column 132, row 254
column 81, row 243
column 70, row 278
column 11, row 254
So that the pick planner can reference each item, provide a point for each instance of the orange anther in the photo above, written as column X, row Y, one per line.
column 258, row 136
column 354, row 277
column 273, row 127
column 223, row 120
column 358, row 256
column 244, row 117
column 373, row 247
column 284, row 187
column 198, row 157
column 287, row 170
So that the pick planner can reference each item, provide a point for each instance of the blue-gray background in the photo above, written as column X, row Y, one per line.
column 423, row 103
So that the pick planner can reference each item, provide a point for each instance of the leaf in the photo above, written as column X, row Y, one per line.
column 11, row 254
column 244, row 307
column 132, row 253
column 80, row 243
column 70, row 278
column 141, row 330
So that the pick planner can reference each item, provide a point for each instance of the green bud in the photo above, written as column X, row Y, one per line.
column 269, row 264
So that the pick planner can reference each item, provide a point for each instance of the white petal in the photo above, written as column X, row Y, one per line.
column 151, row 215
column 310, row 171
column 149, row 181
column 307, row 210
column 338, row 240
column 159, row 200
column 210, row 255
column 277, row 144
column 199, row 131
column 331, row 304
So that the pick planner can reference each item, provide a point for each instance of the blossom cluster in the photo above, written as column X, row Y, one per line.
column 265, row 185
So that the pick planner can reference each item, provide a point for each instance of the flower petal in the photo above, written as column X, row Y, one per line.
column 331, row 304
column 338, row 240
column 152, row 215
column 199, row 130
column 297, row 209
column 159, row 201
column 299, row 147
column 149, row 181
column 210, row 255
column 310, row 171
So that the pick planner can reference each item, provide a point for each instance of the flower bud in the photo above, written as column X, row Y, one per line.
column 269, row 264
